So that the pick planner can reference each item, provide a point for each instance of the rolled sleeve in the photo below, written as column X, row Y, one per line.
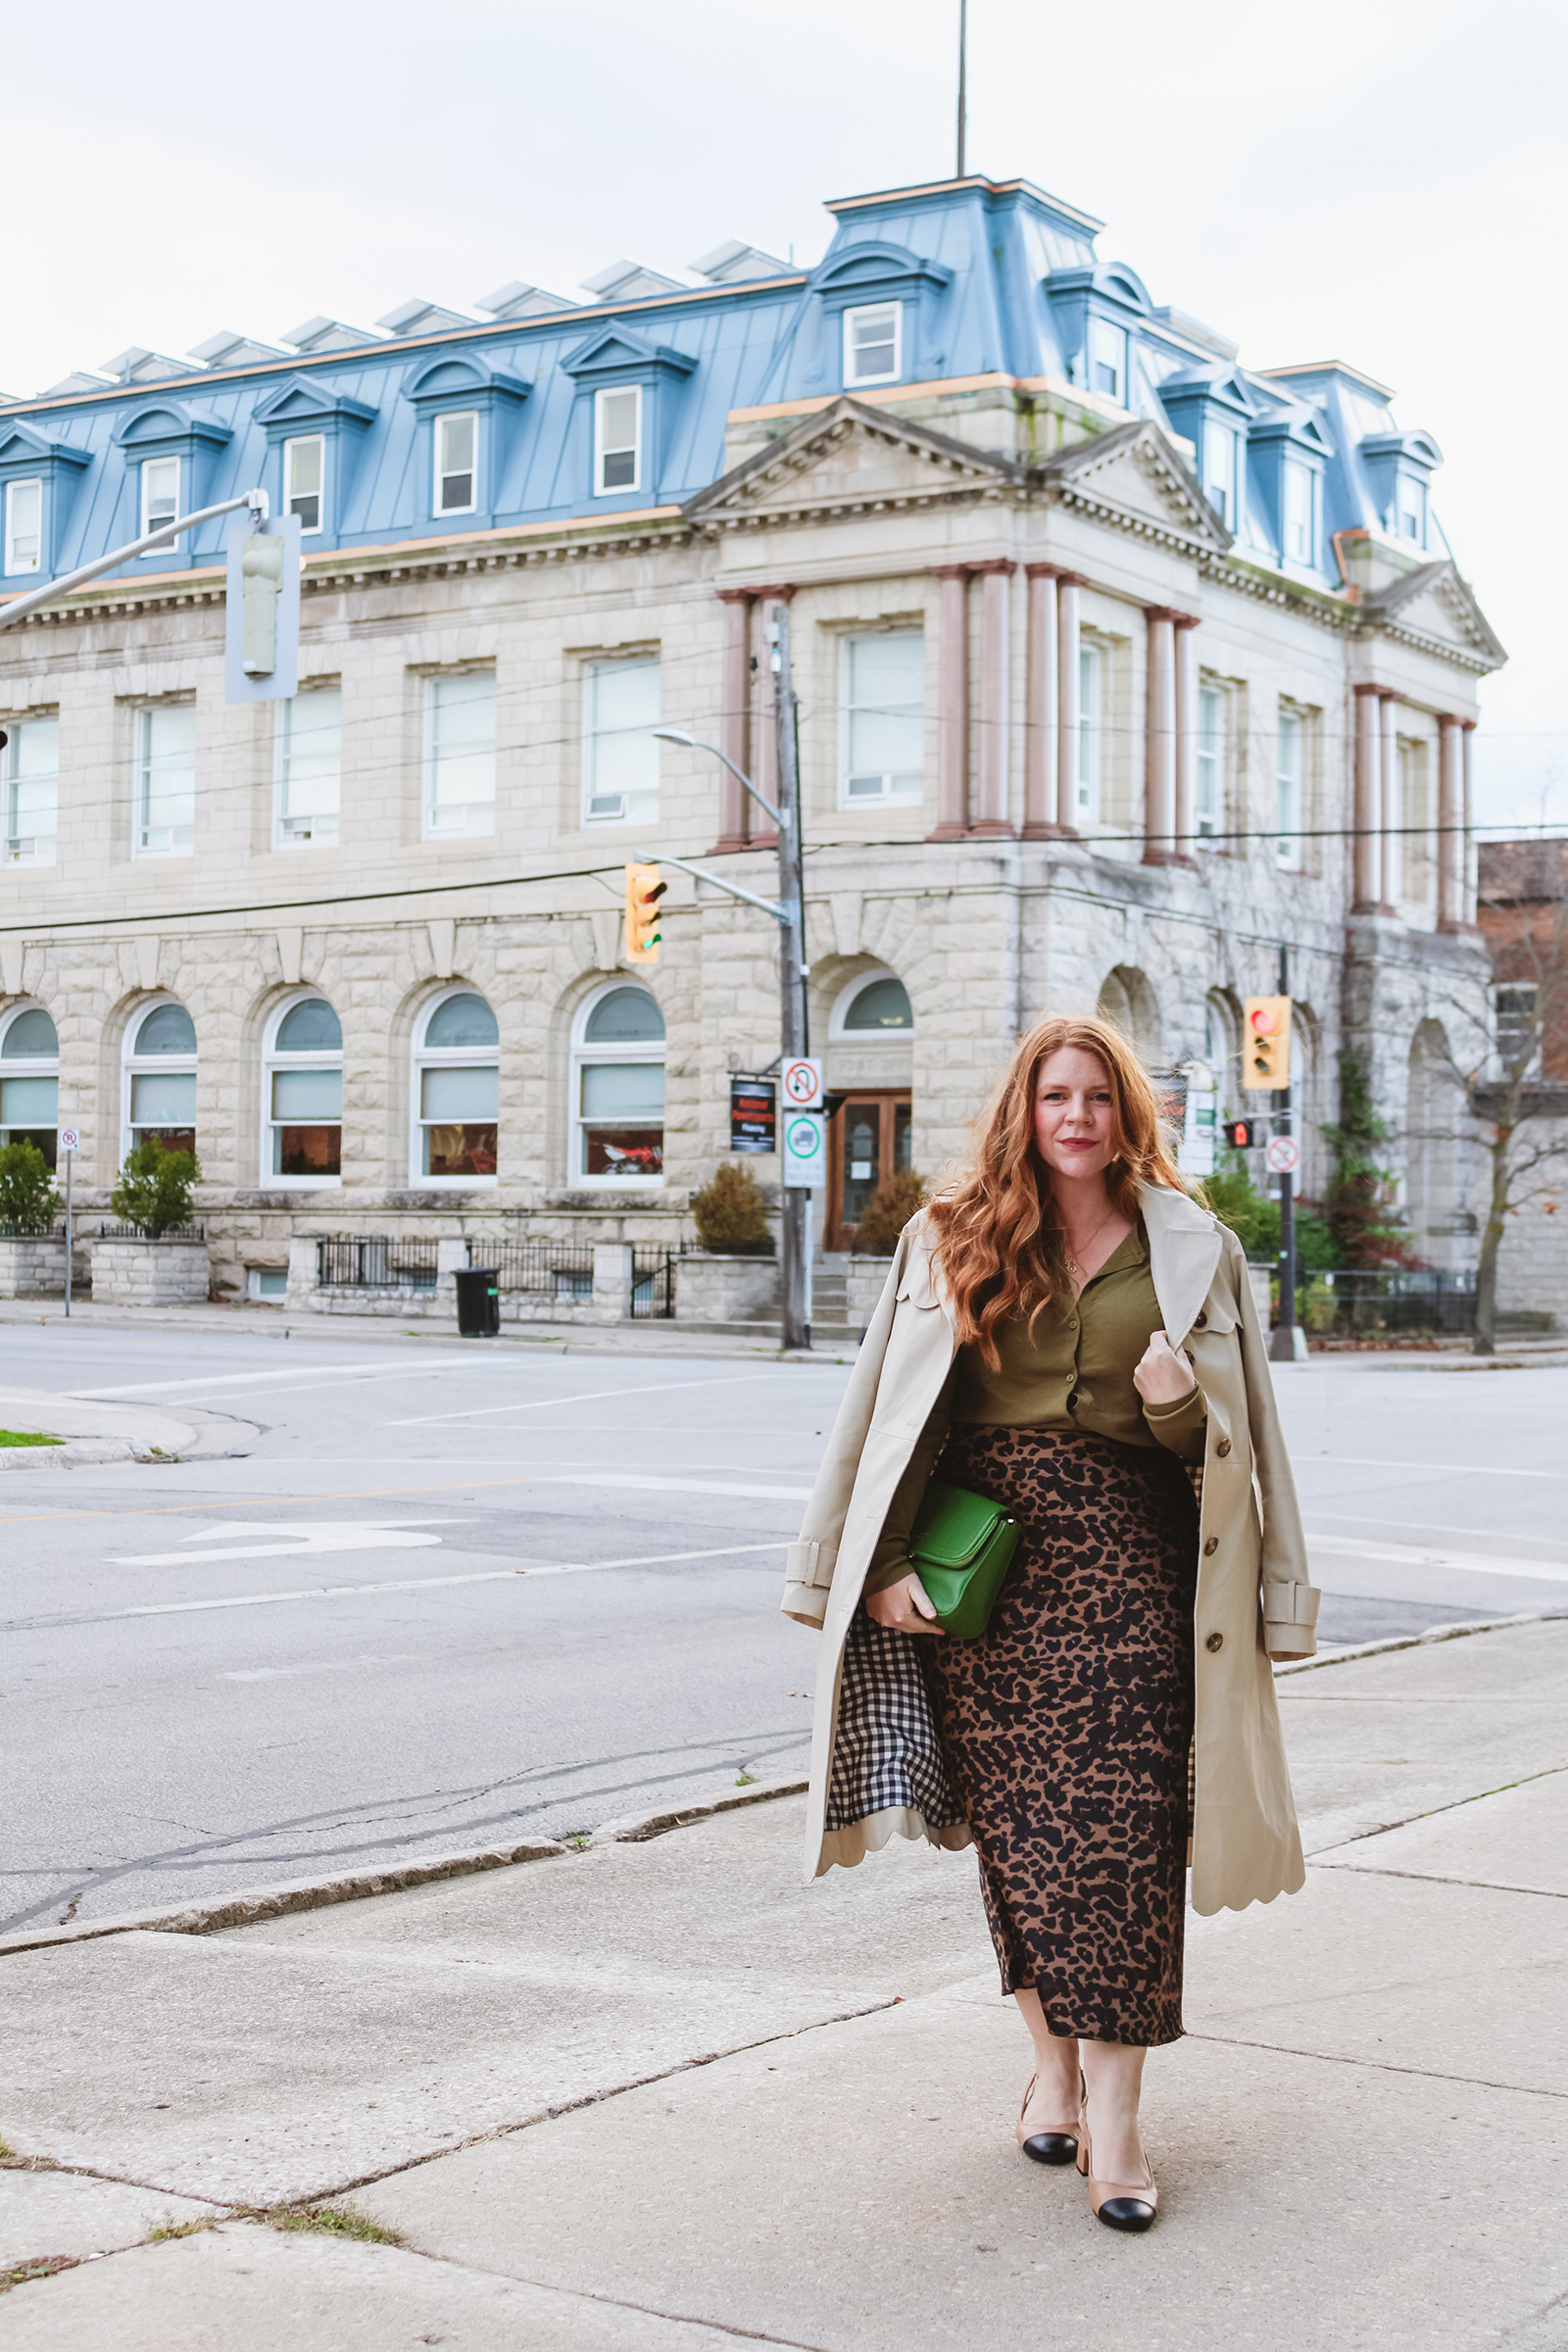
column 1290, row 1619
column 1180, row 1427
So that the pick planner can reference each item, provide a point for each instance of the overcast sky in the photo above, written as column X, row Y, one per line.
column 1381, row 181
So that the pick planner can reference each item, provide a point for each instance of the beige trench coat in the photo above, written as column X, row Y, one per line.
column 1253, row 1597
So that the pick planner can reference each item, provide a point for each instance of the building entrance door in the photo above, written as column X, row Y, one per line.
column 868, row 1139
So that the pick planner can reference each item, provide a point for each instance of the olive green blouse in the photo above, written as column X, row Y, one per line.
column 1075, row 1372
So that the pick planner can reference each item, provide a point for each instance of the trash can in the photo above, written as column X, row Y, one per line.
column 478, row 1302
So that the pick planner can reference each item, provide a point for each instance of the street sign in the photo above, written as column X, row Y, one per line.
column 753, row 1114
column 1282, row 1156
column 70, row 1139
column 803, row 1085
column 278, row 585
column 805, row 1148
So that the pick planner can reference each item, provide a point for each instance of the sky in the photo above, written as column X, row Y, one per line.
column 1381, row 181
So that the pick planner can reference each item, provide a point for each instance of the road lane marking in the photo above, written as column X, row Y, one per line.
column 1366, row 1461
column 536, row 1404
column 304, row 1536
column 1415, row 1555
column 412, row 1583
column 1446, row 1526
column 302, row 1373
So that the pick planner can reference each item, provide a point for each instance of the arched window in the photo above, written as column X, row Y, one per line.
column 29, row 1079
column 302, row 1095
column 457, row 1091
column 159, row 1096
column 617, row 1089
column 875, row 1004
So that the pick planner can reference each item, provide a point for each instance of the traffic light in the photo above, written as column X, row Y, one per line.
column 1243, row 1134
column 644, row 890
column 1266, row 1044
column 262, row 625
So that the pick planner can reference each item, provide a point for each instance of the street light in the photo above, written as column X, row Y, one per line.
column 694, row 743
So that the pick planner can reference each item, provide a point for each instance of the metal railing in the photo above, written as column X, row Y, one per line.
column 560, row 1272
column 557, row 1271
column 374, row 1262
column 121, row 1232
column 652, row 1285
column 1364, row 1303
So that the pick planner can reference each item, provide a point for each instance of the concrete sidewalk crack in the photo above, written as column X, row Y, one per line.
column 1382, row 1829
column 1430, row 1878
column 1382, row 2066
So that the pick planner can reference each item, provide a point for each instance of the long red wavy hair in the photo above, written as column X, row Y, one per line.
column 997, row 1235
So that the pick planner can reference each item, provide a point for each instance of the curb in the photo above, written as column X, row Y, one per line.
column 1434, row 1632
column 316, row 1894
column 73, row 1454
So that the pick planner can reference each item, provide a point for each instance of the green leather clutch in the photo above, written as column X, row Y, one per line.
column 960, row 1548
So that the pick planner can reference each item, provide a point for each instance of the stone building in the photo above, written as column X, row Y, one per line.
column 1120, row 664
column 1522, row 910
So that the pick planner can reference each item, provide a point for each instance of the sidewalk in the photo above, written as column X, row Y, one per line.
column 656, row 2095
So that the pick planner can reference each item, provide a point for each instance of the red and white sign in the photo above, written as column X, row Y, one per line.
column 1281, row 1155
column 70, row 1139
column 803, row 1085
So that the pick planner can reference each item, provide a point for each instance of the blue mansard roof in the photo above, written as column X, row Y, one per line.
column 997, row 281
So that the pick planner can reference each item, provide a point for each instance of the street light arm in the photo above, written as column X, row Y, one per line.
column 696, row 744
column 20, row 606
column 784, row 915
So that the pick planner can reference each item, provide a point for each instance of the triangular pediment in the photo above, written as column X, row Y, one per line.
column 1435, row 608
column 1133, row 477
column 21, row 445
column 622, row 348
column 302, row 401
column 847, row 456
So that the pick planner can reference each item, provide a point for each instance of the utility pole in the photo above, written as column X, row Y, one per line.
column 963, row 79
column 793, row 1033
column 1283, row 1345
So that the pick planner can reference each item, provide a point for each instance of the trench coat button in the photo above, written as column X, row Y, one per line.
column 1215, row 1642
column 1200, row 1323
column 1223, row 1447
column 1211, row 1546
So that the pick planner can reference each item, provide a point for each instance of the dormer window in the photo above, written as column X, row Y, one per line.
column 1300, row 520
column 1107, row 359
column 1412, row 511
column 873, row 344
column 1219, row 471
column 159, row 498
column 457, row 440
column 619, row 440
column 24, row 525
column 303, row 467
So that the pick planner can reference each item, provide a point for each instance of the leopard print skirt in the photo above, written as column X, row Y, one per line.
column 1068, row 1725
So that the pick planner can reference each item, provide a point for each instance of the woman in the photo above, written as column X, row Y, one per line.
column 1075, row 1339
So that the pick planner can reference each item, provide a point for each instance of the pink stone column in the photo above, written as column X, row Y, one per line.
column 996, row 698
column 765, row 775
column 734, row 725
column 1393, row 841
column 1160, row 737
column 1067, row 711
column 1186, row 702
column 1452, row 856
column 1467, row 871
column 1041, row 744
column 1368, row 893
column 953, row 705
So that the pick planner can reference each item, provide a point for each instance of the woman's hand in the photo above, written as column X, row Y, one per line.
column 903, row 1608
column 1163, row 1376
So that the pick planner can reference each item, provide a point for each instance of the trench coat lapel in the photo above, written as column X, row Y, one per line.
column 1183, row 1246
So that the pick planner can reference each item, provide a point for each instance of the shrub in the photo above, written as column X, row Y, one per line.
column 155, row 1188
column 1255, row 1219
column 29, row 1201
column 731, row 1217
column 894, row 1201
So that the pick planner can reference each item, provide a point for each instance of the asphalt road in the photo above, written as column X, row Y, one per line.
column 456, row 1594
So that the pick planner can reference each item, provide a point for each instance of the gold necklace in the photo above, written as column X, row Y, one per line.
column 1073, row 1266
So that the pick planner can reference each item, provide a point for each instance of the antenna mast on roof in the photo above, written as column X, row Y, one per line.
column 964, row 47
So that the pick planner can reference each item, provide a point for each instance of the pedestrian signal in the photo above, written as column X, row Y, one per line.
column 1266, row 1050
column 644, row 890
column 1243, row 1134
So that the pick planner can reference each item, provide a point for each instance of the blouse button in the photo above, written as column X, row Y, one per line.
column 1215, row 1642
column 1209, row 1548
column 1223, row 1447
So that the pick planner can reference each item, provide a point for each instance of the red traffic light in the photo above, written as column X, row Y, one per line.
column 1243, row 1134
column 1264, row 1019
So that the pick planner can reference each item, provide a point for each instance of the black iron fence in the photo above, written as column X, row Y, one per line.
column 145, row 1233
column 560, row 1273
column 374, row 1262
column 1364, row 1304
column 653, row 1283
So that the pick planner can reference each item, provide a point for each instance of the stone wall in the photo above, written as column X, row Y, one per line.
column 141, row 1273
column 1532, row 1259
column 33, row 1267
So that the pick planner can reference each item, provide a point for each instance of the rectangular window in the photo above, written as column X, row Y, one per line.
column 1288, row 790
column 1300, row 489
column 1409, row 850
column 160, row 499
column 620, row 1108
column 1087, row 782
column 459, row 1120
column 307, row 1122
column 166, row 780
column 31, row 770
column 162, row 1102
column 303, row 478
column 1219, row 471
column 24, row 525
column 883, row 691
column 308, row 768
column 619, row 756
column 1209, row 780
column 460, row 754
column 1107, row 359
column 619, row 440
column 1412, row 511
column 873, row 344
column 1515, row 1026
column 457, row 454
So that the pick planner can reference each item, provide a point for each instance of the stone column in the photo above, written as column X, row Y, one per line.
column 1041, row 747
column 1393, row 841
column 765, row 775
column 953, row 705
column 996, row 668
column 1368, row 891
column 735, row 807
column 1160, row 737
column 612, row 1280
column 1186, row 751
column 1451, row 819
column 1067, row 587
column 1467, row 870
